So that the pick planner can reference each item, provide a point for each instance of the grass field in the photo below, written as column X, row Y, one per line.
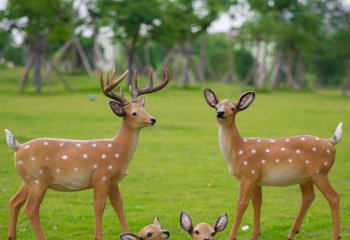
column 177, row 165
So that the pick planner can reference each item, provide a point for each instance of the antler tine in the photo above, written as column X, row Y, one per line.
column 150, row 84
column 107, row 88
column 161, row 85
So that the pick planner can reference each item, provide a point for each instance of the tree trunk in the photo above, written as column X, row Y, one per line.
column 202, row 59
column 187, row 53
column 28, row 66
column 346, row 86
column 276, row 71
column 290, row 80
column 83, row 56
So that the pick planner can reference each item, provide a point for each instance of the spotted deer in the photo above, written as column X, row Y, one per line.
column 202, row 231
column 150, row 232
column 74, row 165
column 255, row 162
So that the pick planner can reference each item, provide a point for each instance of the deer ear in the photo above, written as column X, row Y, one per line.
column 117, row 108
column 210, row 97
column 221, row 223
column 142, row 100
column 129, row 236
column 156, row 221
column 245, row 100
column 186, row 222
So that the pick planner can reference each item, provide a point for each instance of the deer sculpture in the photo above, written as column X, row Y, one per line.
column 74, row 165
column 150, row 232
column 202, row 231
column 255, row 162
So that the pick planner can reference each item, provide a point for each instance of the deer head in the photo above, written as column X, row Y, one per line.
column 134, row 111
column 150, row 232
column 202, row 231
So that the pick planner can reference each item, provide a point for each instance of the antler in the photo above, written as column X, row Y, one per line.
column 108, row 87
column 135, row 91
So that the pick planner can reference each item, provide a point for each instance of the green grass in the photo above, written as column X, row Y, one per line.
column 177, row 165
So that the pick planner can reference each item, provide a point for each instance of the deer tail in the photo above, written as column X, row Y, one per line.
column 11, row 141
column 337, row 134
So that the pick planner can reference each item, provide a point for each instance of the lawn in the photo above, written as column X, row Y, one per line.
column 178, row 165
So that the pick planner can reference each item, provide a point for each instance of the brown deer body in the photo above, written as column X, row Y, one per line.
column 303, row 160
column 74, row 165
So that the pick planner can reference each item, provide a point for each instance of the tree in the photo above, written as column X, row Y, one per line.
column 42, row 22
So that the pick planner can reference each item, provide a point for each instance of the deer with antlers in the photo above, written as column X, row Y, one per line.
column 150, row 232
column 304, row 160
column 74, row 165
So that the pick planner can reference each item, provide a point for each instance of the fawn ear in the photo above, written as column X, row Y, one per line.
column 221, row 223
column 129, row 236
column 156, row 221
column 117, row 108
column 210, row 97
column 186, row 222
column 245, row 100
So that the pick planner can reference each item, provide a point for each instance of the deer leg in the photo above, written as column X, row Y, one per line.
column 308, row 196
column 256, row 201
column 246, row 189
column 117, row 203
column 333, row 199
column 16, row 203
column 100, row 196
column 36, row 194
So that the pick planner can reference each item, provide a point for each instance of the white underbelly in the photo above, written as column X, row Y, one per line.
column 282, row 177
column 74, row 182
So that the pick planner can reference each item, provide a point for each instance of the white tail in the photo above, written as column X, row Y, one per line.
column 337, row 135
column 11, row 141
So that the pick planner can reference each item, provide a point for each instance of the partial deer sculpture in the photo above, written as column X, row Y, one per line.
column 304, row 160
column 74, row 165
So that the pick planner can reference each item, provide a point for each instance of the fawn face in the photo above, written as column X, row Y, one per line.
column 226, row 109
column 150, row 232
column 134, row 112
column 202, row 231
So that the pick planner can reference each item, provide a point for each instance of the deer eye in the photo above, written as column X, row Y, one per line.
column 149, row 234
column 134, row 114
column 196, row 232
column 232, row 109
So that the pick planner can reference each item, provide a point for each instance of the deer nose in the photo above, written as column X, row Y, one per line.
column 206, row 239
column 153, row 120
column 220, row 113
column 167, row 233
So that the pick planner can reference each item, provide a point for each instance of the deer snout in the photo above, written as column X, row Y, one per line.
column 167, row 234
column 220, row 113
column 153, row 120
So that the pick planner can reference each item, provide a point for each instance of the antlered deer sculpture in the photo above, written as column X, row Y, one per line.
column 304, row 160
column 74, row 165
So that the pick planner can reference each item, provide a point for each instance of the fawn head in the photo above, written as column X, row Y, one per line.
column 150, row 232
column 226, row 109
column 202, row 231
column 133, row 112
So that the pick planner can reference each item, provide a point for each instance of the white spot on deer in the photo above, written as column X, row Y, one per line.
column 317, row 139
column 41, row 171
column 318, row 171
column 325, row 163
column 117, row 155
column 109, row 145
column 46, row 143
column 33, row 158
column 283, row 149
column 58, row 170
column 76, row 169
column 314, row 149
column 103, row 156
column 267, row 150
column 26, row 146
column 328, row 151
column 61, row 144
column 245, row 140
column 47, row 158
column 253, row 151
column 95, row 166
column 78, row 145
column 94, row 145
column 290, row 160
column 85, row 156
column 36, row 181
column 245, row 163
column 258, row 140
column 240, row 152
column 302, row 139
column 27, row 177
column 64, row 157
column 298, row 151
column 277, row 160
column 263, row 161
column 253, row 171
column 307, row 161
column 104, row 178
column 287, row 140
column 20, row 162
column 272, row 140
column 110, row 167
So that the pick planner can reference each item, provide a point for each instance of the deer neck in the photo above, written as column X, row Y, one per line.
column 126, row 140
column 229, row 141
